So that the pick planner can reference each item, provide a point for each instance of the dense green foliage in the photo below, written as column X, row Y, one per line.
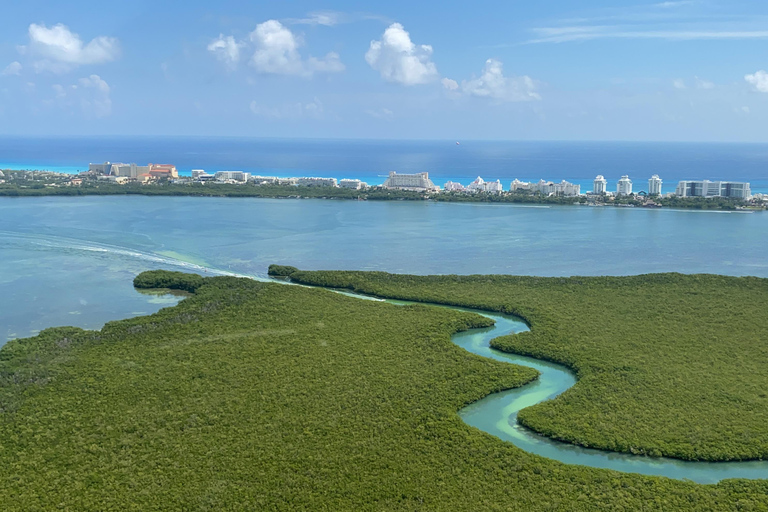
column 281, row 270
column 169, row 280
column 668, row 364
column 252, row 396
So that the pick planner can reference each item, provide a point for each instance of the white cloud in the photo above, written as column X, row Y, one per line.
column 588, row 33
column 494, row 85
column 61, row 49
column 277, row 52
column 14, row 68
column 98, row 103
column 678, row 84
column 226, row 49
column 758, row 80
column 326, row 18
column 399, row 60
column 449, row 84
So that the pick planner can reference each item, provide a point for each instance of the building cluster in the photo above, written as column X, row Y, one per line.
column 479, row 185
column 239, row 177
column 419, row 182
column 547, row 188
column 123, row 173
column 700, row 188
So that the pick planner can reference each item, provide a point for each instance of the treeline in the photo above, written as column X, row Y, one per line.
column 668, row 364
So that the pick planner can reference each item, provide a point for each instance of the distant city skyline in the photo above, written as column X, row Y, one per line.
column 686, row 70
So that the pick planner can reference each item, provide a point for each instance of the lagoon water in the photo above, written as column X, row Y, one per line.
column 71, row 261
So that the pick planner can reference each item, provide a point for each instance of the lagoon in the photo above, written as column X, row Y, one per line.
column 71, row 261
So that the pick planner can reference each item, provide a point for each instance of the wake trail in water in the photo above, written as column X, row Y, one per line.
column 65, row 244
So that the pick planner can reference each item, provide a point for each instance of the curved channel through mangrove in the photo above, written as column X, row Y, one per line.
column 496, row 414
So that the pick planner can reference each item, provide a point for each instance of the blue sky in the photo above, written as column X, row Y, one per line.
column 692, row 70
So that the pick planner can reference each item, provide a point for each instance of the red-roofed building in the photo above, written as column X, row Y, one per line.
column 163, row 171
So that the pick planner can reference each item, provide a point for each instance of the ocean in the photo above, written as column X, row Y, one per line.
column 371, row 160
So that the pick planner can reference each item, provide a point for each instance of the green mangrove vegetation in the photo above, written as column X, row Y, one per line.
column 261, row 396
column 668, row 364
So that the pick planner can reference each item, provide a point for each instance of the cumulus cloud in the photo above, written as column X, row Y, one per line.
column 449, row 84
column 14, row 68
column 494, row 85
column 758, row 80
column 275, row 51
column 61, row 49
column 226, row 49
column 399, row 60
column 98, row 102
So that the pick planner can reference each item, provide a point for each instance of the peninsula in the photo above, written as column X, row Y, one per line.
column 238, row 184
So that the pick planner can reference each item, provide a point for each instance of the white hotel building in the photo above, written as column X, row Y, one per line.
column 600, row 185
column 706, row 188
column 624, row 186
column 654, row 185
column 419, row 182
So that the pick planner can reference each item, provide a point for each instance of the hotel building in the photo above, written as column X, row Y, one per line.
column 706, row 188
column 600, row 185
column 654, row 185
column 624, row 186
column 419, row 182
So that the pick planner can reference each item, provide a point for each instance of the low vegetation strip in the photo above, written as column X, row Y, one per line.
column 254, row 396
column 668, row 364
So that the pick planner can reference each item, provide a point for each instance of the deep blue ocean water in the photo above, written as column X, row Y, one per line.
column 371, row 160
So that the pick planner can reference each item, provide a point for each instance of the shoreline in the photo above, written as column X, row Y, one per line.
column 34, row 188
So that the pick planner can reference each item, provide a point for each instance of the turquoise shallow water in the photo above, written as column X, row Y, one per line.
column 70, row 261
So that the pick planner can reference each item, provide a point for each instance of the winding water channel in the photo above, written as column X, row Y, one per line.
column 496, row 414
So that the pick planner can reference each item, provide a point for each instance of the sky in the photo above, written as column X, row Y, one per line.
column 686, row 70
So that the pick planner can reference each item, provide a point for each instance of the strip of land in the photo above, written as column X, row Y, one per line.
column 37, row 184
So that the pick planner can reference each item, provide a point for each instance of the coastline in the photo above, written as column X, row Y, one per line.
column 335, row 193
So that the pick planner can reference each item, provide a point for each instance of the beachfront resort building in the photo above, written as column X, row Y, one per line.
column 600, row 185
column 353, row 184
column 452, row 186
column 624, row 186
column 547, row 188
column 520, row 185
column 654, row 185
column 480, row 185
column 232, row 176
column 706, row 188
column 418, row 182
column 101, row 169
column 317, row 182
column 162, row 171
